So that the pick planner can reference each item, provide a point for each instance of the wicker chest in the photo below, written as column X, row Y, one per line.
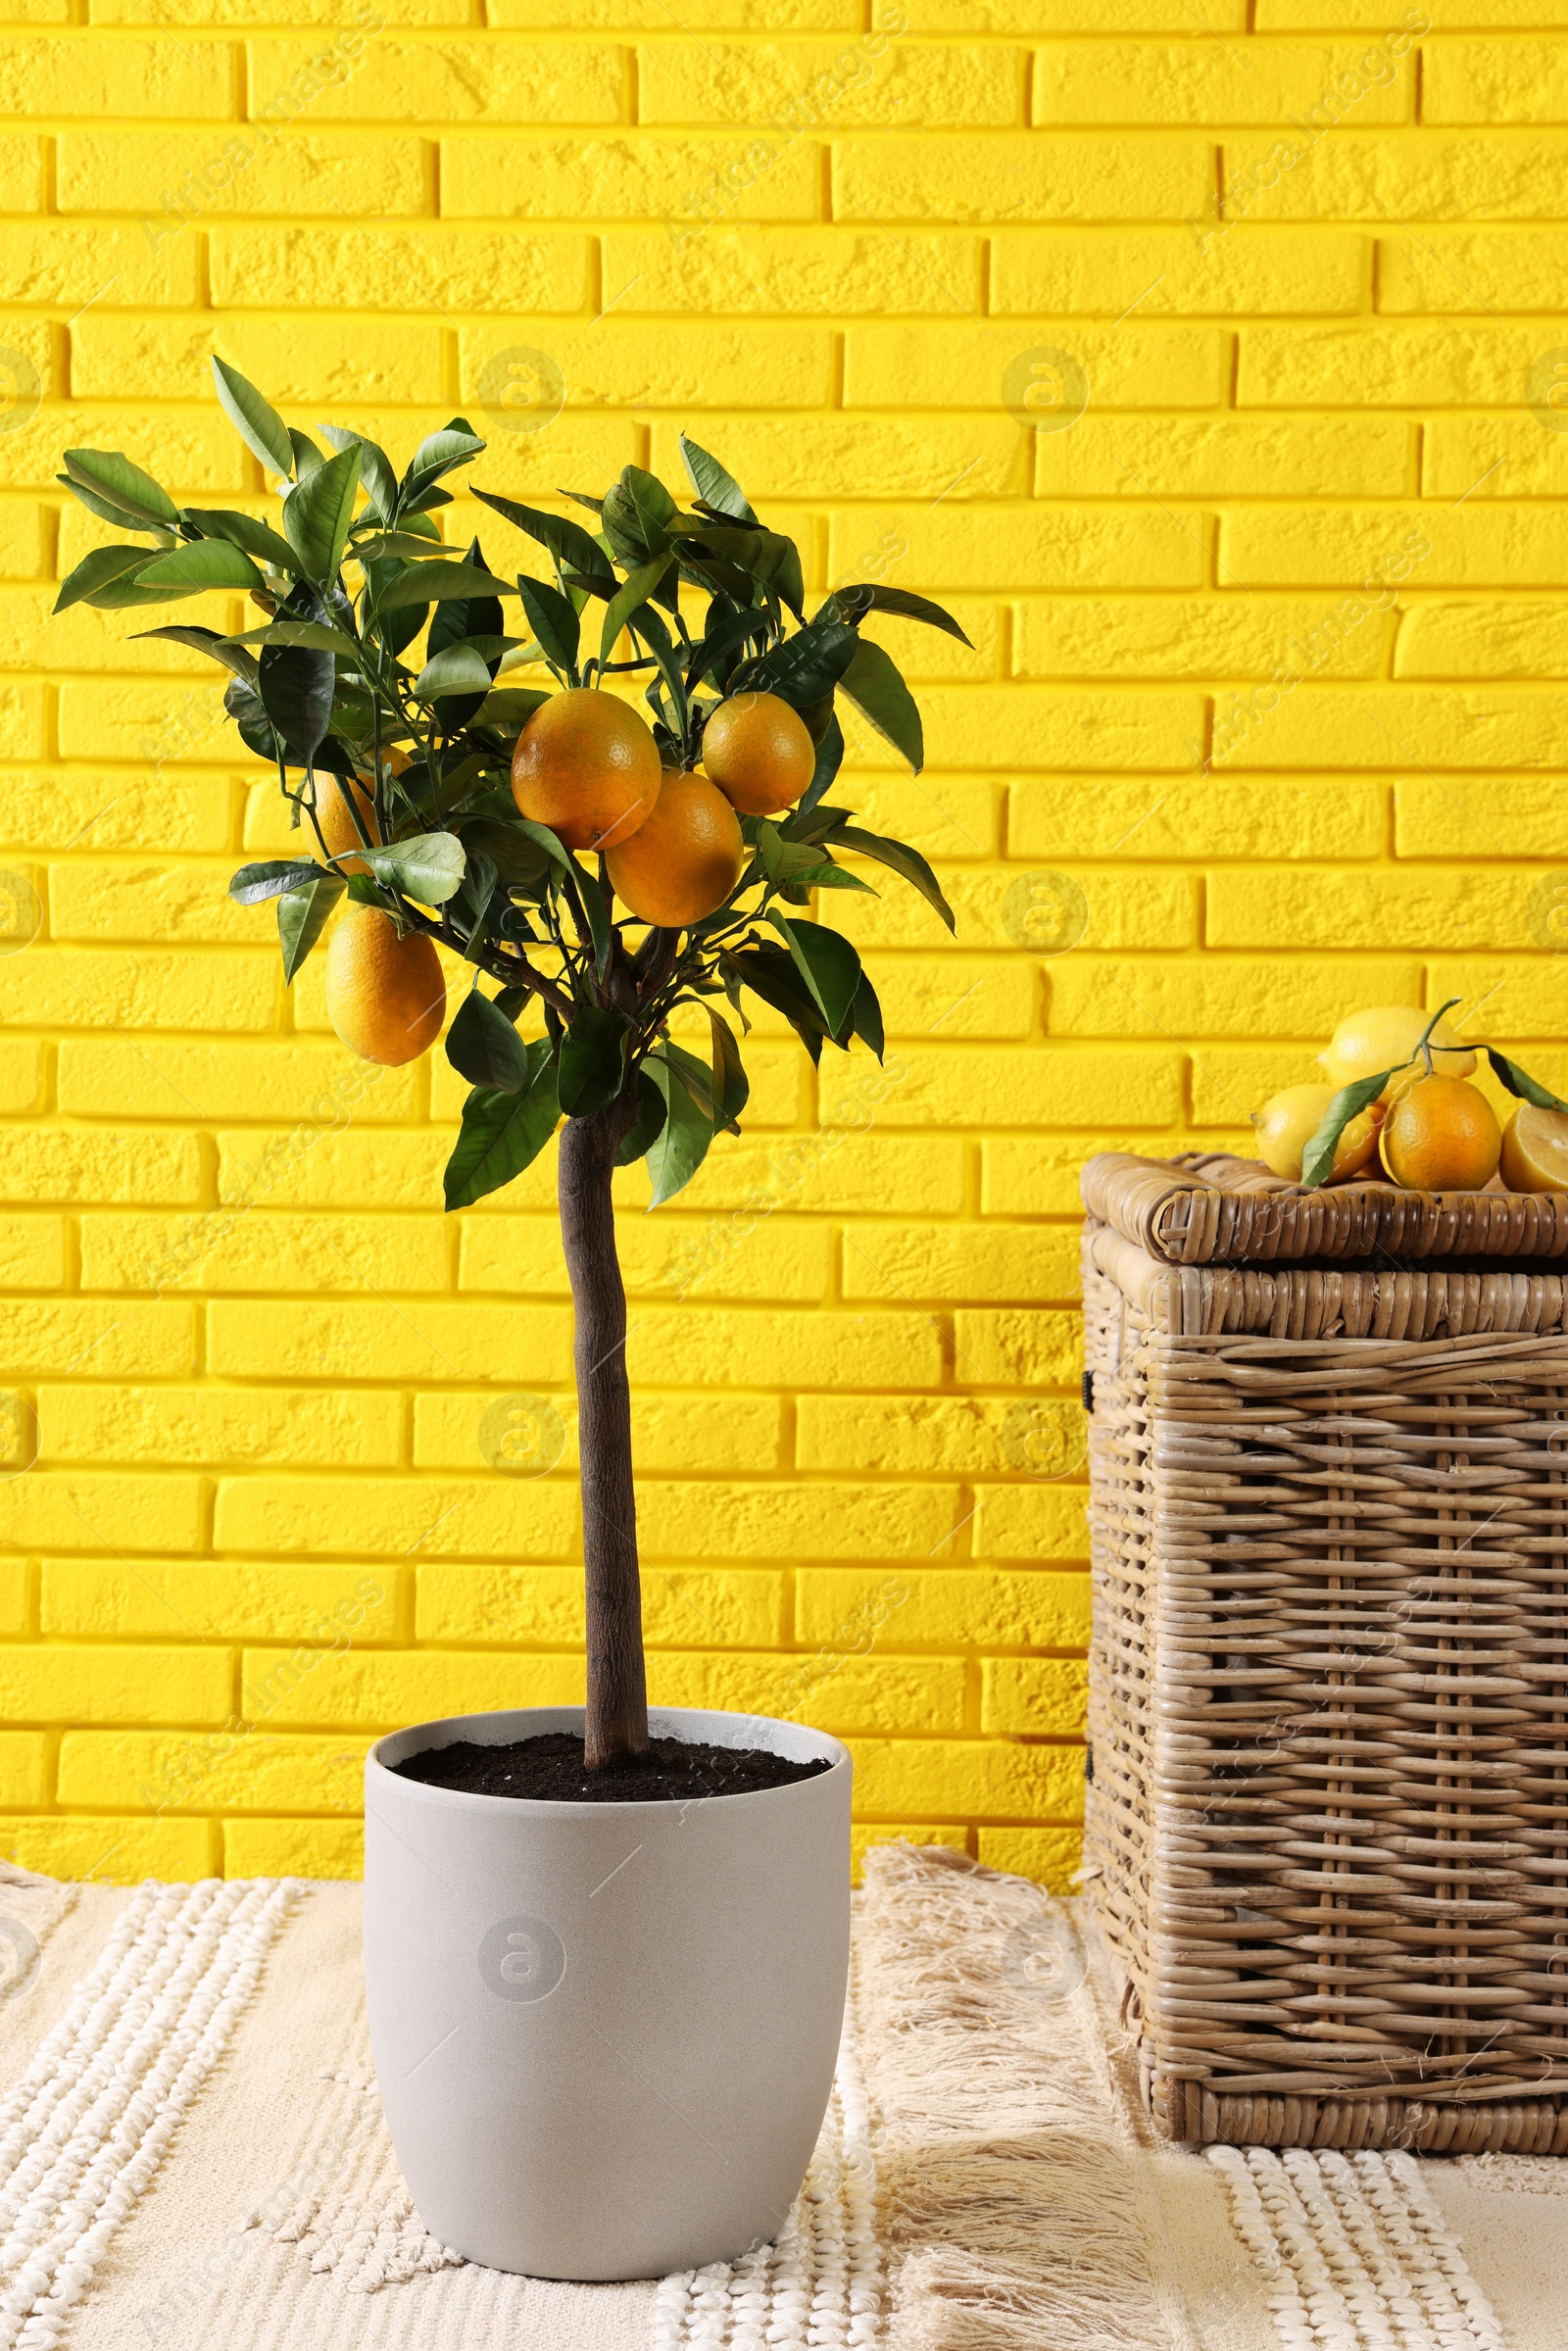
column 1326, row 1828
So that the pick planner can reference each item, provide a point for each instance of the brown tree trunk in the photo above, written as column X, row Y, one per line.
column 616, row 1725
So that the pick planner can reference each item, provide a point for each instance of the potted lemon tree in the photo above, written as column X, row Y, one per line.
column 605, row 1956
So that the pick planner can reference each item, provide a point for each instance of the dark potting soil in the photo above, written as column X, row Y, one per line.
column 550, row 1767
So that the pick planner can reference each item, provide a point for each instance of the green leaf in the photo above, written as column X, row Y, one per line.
column 509, row 705
column 766, row 555
column 256, row 422
column 726, row 632
column 295, row 683
column 902, row 861
column 649, row 1124
column 827, row 964
column 408, row 542
column 454, row 444
column 252, row 885
column 107, row 512
column 483, row 1046
column 427, row 868
column 593, row 1059
column 220, row 522
column 638, row 511
column 713, row 485
column 110, row 473
column 867, row 1018
column 869, row 596
column 318, row 511
column 315, row 634
column 882, row 698
column 302, row 917
column 1519, row 1082
column 630, row 599
column 681, row 1143
column 308, row 458
column 205, row 640
column 801, row 670
column 594, row 912
column 569, row 544
column 428, row 583
column 457, row 670
column 103, row 569
column 1317, row 1160
column 502, row 1133
column 379, row 482
column 257, row 732
column 200, row 564
column 731, row 1085
column 770, row 972
column 552, row 618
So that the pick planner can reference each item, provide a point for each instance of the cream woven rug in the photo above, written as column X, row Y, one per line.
column 192, row 2155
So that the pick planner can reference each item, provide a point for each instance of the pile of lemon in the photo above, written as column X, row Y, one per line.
column 1429, row 1129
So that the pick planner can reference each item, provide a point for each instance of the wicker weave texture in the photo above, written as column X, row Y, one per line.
column 1213, row 1209
column 1328, row 1817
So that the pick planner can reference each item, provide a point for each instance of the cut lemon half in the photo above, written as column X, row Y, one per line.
column 1534, row 1149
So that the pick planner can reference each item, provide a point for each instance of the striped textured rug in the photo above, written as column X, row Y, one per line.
column 192, row 2154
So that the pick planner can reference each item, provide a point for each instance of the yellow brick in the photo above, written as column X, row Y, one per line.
column 398, row 1518
column 1101, row 272
column 1037, row 1175
column 48, row 811
column 22, row 164
column 1345, row 546
column 998, row 1781
column 680, row 1345
column 813, row 273
column 833, row 457
column 276, row 1080
column 84, row 989
column 99, row 1511
column 1356, row 176
column 237, row 1769
column 845, row 1695
column 1051, row 548
column 284, row 1687
column 15, row 1605
column 1462, row 910
column 919, row 1607
column 188, row 454
column 340, row 359
column 24, row 1768
column 713, row 1521
column 324, row 1428
column 1476, row 816
column 631, row 177
column 21, row 1084
column 1460, row 456
column 1495, row 82
column 1050, row 1856
column 470, row 269
column 324, row 1164
column 1231, row 1082
column 101, row 1340
column 1206, row 997
column 1019, row 1346
column 658, row 1254
column 1194, row 457
column 797, row 85
column 210, row 1599
column 283, row 1848
column 1518, row 997
column 23, row 543
column 950, row 1261
column 32, row 1253
column 1039, row 1697
column 1452, row 365
column 1020, row 179
column 1232, row 636
column 961, row 996
column 615, row 365
column 22, row 715
column 668, row 1432
column 521, row 81
column 965, row 1435
column 542, row 1607
column 263, row 1252
column 1451, row 269
column 1431, row 727
column 1207, row 82
column 113, row 1685
column 1032, row 1522
column 1200, row 817
column 650, row 16
column 82, row 76
column 117, row 267
column 102, row 1163
column 1046, row 1086
column 940, row 365
column 1481, row 640
column 241, row 171
column 349, row 1341
column 108, row 1849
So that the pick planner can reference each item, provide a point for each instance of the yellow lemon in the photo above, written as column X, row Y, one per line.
column 1534, row 1149
column 1439, row 1135
column 1385, row 1037
column 1287, row 1123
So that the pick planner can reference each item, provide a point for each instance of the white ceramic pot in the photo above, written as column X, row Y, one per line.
column 604, row 2033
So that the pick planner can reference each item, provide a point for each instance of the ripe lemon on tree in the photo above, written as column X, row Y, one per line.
column 1386, row 1037
column 759, row 753
column 685, row 859
column 334, row 815
column 385, row 995
column 1534, row 1149
column 1290, row 1119
column 588, row 767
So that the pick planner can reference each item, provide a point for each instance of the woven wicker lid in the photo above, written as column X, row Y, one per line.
column 1209, row 1208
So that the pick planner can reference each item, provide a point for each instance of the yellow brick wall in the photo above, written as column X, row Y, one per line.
column 1263, row 703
